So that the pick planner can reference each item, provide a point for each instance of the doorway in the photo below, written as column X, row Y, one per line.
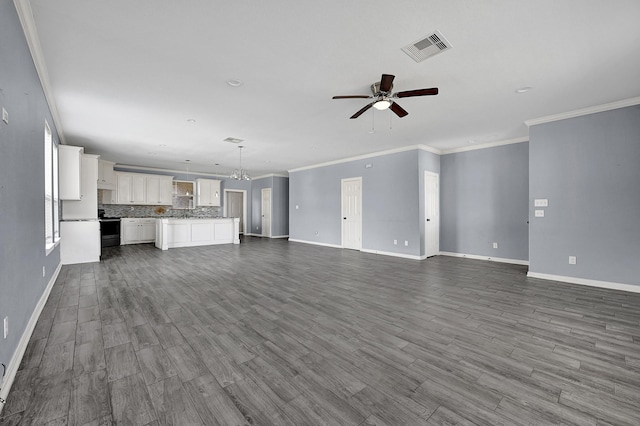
column 351, row 195
column 431, row 214
column 266, row 212
column 235, row 205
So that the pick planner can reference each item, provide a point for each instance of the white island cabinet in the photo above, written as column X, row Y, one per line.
column 172, row 233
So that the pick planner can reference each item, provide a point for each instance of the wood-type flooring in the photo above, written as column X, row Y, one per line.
column 277, row 333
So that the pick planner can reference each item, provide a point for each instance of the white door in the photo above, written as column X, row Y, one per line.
column 266, row 212
column 352, row 213
column 235, row 207
column 432, row 213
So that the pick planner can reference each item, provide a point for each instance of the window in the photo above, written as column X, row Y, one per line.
column 51, row 200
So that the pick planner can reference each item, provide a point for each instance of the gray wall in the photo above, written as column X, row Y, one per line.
column 279, row 205
column 22, row 248
column 589, row 169
column 390, row 202
column 484, row 199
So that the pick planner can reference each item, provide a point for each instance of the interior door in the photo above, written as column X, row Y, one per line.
column 432, row 213
column 235, row 207
column 266, row 212
column 352, row 213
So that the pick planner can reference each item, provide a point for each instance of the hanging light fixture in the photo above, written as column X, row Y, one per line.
column 240, row 173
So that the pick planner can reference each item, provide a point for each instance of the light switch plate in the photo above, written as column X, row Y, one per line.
column 541, row 202
column 539, row 213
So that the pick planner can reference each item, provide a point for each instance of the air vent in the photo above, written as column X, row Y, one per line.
column 427, row 47
column 233, row 140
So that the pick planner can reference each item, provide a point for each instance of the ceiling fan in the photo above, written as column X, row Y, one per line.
column 381, row 92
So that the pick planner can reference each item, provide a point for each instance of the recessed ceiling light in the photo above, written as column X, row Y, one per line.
column 234, row 82
column 191, row 120
column 523, row 89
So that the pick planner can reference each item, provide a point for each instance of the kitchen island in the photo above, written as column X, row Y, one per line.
column 172, row 233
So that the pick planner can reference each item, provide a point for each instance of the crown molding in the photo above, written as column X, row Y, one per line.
column 486, row 145
column 25, row 14
column 371, row 155
column 156, row 169
column 270, row 175
column 584, row 111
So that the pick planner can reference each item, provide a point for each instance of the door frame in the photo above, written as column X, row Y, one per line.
column 225, row 211
column 270, row 212
column 359, row 178
column 437, row 176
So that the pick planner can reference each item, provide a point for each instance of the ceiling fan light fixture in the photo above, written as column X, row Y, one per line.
column 382, row 104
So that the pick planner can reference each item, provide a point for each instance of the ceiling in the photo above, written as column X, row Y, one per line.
column 128, row 77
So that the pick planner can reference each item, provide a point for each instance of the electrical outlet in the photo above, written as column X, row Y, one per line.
column 539, row 213
column 572, row 260
column 6, row 327
column 395, row 242
column 495, row 245
column 406, row 243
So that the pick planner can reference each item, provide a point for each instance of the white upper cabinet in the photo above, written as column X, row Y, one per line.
column 208, row 192
column 131, row 188
column 106, row 175
column 159, row 190
column 141, row 189
column 69, row 172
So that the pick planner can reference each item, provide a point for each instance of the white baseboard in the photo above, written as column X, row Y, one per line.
column 492, row 259
column 583, row 281
column 315, row 243
column 390, row 253
column 273, row 236
column 14, row 363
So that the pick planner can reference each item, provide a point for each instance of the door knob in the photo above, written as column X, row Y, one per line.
column 428, row 220
column 344, row 218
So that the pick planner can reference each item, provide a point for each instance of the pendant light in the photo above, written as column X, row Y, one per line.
column 240, row 173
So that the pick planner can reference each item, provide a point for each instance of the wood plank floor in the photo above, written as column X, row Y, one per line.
column 277, row 333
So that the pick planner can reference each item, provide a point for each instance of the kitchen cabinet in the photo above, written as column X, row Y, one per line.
column 159, row 190
column 69, row 171
column 172, row 233
column 137, row 230
column 143, row 189
column 208, row 192
column 131, row 188
column 106, row 175
column 86, row 206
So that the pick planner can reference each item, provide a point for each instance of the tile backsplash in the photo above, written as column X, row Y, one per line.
column 120, row 210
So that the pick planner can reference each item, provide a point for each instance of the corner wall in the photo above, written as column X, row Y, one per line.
column 22, row 252
column 390, row 203
column 588, row 168
column 484, row 199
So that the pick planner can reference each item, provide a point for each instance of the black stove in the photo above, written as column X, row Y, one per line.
column 109, row 230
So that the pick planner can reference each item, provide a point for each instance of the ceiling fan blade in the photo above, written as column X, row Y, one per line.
column 352, row 97
column 417, row 92
column 359, row 113
column 385, row 82
column 400, row 112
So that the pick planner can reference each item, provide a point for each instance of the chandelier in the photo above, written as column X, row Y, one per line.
column 240, row 173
